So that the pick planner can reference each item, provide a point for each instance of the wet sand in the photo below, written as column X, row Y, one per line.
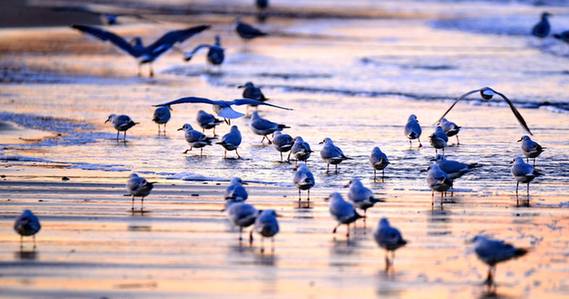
column 359, row 92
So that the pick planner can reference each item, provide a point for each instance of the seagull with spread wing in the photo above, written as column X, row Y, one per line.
column 488, row 93
column 221, row 108
column 136, row 49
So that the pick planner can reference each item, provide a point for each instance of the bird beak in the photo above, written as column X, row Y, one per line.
column 279, row 215
column 170, row 108
column 222, row 210
column 321, row 142
column 180, row 129
column 244, row 183
column 106, row 121
column 512, row 162
column 327, row 198
column 241, row 86
column 520, row 140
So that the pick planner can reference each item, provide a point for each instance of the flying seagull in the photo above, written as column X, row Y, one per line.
column 221, row 108
column 215, row 52
column 488, row 93
column 136, row 49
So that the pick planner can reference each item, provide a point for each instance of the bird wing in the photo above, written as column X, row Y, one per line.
column 455, row 102
column 239, row 102
column 109, row 36
column 190, row 54
column 191, row 100
column 518, row 115
column 172, row 37
column 227, row 112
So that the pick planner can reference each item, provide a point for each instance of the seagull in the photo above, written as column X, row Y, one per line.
column 250, row 91
column 542, row 28
column 523, row 173
column 221, row 108
column 300, row 149
column 215, row 52
column 439, row 139
column 282, row 142
column 248, row 32
column 242, row 215
column 413, row 130
column 361, row 196
column 207, row 121
column 378, row 161
column 492, row 252
column 331, row 154
column 122, row 123
column 27, row 224
column 231, row 141
column 488, row 93
column 450, row 128
column 530, row 148
column 342, row 211
column 439, row 181
column 195, row 138
column 267, row 226
column 454, row 169
column 235, row 190
column 136, row 48
column 303, row 180
column 264, row 127
column 388, row 238
column 162, row 116
column 138, row 186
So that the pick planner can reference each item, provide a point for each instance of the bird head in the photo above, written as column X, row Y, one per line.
column 186, row 127
column 246, row 85
column 412, row 117
column 545, row 15
column 326, row 140
column 383, row 222
column 237, row 180
column 524, row 138
column 217, row 39
column 110, row 118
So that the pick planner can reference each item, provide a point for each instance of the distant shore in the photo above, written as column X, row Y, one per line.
column 19, row 13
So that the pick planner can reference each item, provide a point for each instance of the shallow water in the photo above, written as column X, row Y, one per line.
column 354, row 80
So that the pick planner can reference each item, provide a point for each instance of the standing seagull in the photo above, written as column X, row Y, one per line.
column 250, row 91
column 242, row 215
column 264, row 127
column 342, row 211
column 542, row 28
column 439, row 140
column 235, row 190
column 122, row 123
column 144, row 55
column 282, row 142
column 450, row 128
column 267, row 226
column 488, row 93
column 413, row 130
column 563, row 36
column 138, row 186
column 378, row 161
column 215, row 53
column 331, row 154
column 162, row 116
column 492, row 252
column 248, row 32
column 207, row 121
column 303, row 180
column 27, row 224
column 523, row 173
column 231, row 141
column 439, row 181
column 361, row 196
column 388, row 238
column 454, row 169
column 300, row 149
column 530, row 148
column 196, row 139
column 221, row 108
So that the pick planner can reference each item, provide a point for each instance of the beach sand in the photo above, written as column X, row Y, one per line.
column 59, row 159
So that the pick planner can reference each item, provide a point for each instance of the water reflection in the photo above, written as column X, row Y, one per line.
column 438, row 222
column 26, row 255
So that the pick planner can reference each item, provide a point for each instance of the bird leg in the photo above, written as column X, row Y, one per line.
column 374, row 175
column 410, row 144
column 517, row 186
column 118, row 135
column 299, row 198
column 34, row 239
column 336, row 228
column 139, row 71
column 336, row 171
column 240, row 233
column 262, row 245
column 281, row 156
column 347, row 231
column 151, row 74
column 124, row 137
column 238, row 157
column 528, row 191
column 251, row 237
column 272, row 244
column 309, row 197
column 457, row 141
column 132, row 206
column 263, row 140
column 201, row 152
column 288, row 157
column 383, row 175
column 142, row 204
column 225, row 154
column 420, row 144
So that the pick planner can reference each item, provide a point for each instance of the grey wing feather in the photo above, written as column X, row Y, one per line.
column 193, row 100
column 239, row 102
column 108, row 36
